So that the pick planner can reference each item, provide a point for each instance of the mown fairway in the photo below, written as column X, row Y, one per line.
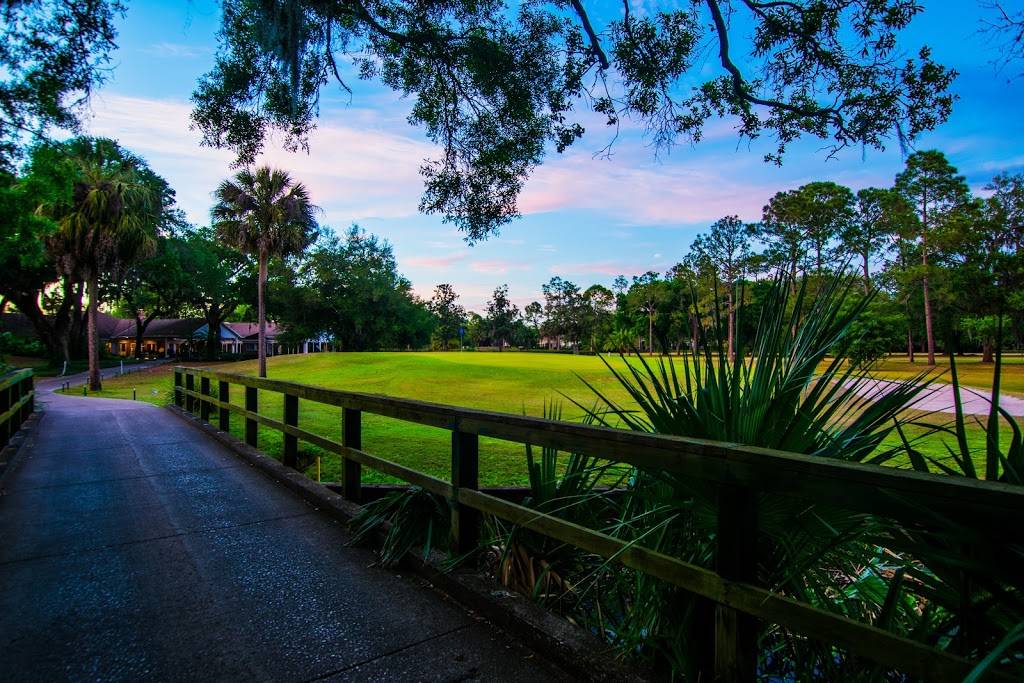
column 505, row 382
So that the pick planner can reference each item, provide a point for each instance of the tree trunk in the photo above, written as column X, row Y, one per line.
column 929, row 334
column 732, row 327
column 262, row 313
column 140, row 332
column 694, row 326
column 650, row 333
column 74, row 328
column 867, row 274
column 95, row 382
column 987, row 347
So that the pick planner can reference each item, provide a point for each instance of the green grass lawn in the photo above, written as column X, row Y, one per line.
column 506, row 382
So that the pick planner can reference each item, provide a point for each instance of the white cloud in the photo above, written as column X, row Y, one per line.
column 177, row 50
column 438, row 263
column 351, row 173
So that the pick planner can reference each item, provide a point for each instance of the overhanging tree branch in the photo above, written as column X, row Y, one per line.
column 595, row 42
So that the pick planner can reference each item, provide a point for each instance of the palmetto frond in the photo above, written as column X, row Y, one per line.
column 112, row 214
column 264, row 211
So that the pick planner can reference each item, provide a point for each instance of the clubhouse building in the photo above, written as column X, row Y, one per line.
column 180, row 337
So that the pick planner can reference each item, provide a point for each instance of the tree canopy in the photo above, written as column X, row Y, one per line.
column 497, row 85
column 52, row 56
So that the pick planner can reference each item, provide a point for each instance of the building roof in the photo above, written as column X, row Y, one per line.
column 165, row 328
column 110, row 327
column 252, row 330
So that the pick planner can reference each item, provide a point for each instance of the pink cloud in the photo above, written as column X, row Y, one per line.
column 497, row 266
column 642, row 191
column 354, row 171
column 434, row 262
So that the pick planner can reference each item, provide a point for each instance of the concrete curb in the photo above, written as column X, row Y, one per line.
column 566, row 645
column 14, row 453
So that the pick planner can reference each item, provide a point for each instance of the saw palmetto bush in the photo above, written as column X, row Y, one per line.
column 413, row 521
column 972, row 580
column 574, row 487
column 789, row 387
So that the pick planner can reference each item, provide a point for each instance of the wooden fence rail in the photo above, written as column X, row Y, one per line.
column 17, row 401
column 739, row 472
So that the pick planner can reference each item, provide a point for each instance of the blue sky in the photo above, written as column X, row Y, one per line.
column 585, row 219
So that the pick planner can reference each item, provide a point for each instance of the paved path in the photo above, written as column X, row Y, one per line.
column 55, row 383
column 131, row 548
column 939, row 398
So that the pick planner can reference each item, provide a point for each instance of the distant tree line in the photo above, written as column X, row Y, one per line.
column 945, row 268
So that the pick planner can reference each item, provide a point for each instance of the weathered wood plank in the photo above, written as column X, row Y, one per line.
column 204, row 405
column 465, row 521
column 13, row 378
column 351, row 437
column 251, row 425
column 290, row 457
column 179, row 398
column 736, row 560
column 224, row 395
column 380, row 464
column 13, row 413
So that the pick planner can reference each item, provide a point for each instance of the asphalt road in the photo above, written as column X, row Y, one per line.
column 132, row 548
column 54, row 383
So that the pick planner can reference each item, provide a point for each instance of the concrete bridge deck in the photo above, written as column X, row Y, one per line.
column 132, row 548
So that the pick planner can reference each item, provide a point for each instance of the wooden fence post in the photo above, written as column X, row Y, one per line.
column 465, row 475
column 179, row 398
column 30, row 405
column 223, row 394
column 190, row 385
column 17, row 392
column 291, row 443
column 251, row 426
column 204, row 405
column 5, row 428
column 351, row 471
column 736, row 560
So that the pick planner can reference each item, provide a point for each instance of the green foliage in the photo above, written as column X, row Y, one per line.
column 415, row 520
column 11, row 345
column 54, row 55
column 264, row 214
column 801, row 224
column 786, row 394
column 107, row 217
column 349, row 290
column 875, row 333
column 450, row 317
column 501, row 316
column 494, row 84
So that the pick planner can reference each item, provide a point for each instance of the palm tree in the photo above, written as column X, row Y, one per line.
column 264, row 213
column 108, row 221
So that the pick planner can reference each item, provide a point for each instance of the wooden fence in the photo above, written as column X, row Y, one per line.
column 17, row 401
column 738, row 472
